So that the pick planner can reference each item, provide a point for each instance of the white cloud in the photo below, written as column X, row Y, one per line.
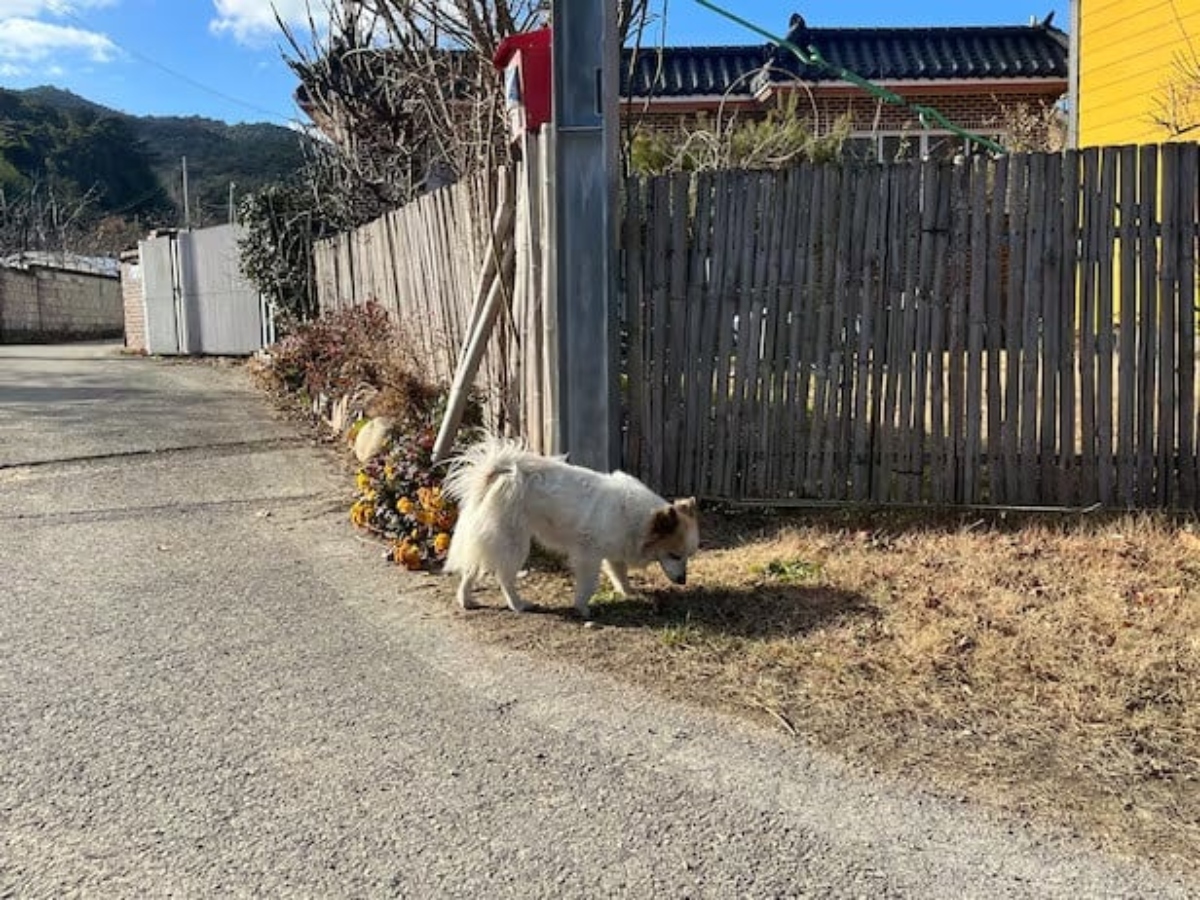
column 252, row 21
column 28, row 9
column 28, row 41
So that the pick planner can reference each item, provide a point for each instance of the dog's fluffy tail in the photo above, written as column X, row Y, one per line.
column 486, row 481
column 475, row 471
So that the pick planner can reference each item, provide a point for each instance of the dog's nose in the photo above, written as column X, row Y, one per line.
column 681, row 578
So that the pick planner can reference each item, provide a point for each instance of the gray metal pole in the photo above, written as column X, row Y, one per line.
column 585, row 59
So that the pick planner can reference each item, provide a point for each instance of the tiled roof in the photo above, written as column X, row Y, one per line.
column 880, row 54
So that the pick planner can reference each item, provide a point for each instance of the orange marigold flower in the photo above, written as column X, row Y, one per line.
column 404, row 506
column 408, row 555
column 441, row 543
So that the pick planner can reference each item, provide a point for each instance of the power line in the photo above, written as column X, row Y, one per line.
column 187, row 79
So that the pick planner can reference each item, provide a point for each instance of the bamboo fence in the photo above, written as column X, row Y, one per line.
column 1011, row 331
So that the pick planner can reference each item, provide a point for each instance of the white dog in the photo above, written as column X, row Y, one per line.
column 509, row 495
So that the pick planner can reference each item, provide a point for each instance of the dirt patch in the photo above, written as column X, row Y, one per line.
column 1046, row 667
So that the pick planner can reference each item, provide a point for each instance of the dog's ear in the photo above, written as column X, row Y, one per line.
column 665, row 521
column 686, row 507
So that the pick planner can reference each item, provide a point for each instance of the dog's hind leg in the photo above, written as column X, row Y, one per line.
column 508, row 587
column 465, row 586
column 618, row 574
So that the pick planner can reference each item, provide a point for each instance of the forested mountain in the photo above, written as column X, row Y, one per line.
column 64, row 158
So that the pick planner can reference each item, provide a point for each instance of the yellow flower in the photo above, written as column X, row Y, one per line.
column 431, row 498
column 441, row 543
column 361, row 512
column 362, row 480
column 408, row 555
column 404, row 506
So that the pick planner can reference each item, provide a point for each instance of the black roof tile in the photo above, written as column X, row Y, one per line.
column 880, row 54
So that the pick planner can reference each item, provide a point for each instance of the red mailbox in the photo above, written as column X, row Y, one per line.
column 525, row 61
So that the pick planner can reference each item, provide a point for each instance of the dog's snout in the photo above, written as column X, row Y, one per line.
column 681, row 578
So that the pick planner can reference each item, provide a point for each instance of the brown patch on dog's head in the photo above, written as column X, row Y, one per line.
column 674, row 535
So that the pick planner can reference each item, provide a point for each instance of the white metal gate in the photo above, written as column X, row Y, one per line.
column 197, row 301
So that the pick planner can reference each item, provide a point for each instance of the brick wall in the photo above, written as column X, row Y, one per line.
column 49, row 304
column 134, row 299
column 975, row 111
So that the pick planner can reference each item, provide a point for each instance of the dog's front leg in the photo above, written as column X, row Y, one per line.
column 587, row 576
column 618, row 574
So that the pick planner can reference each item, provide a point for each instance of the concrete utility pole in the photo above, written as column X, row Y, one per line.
column 586, row 64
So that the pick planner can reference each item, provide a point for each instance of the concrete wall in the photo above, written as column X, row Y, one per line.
column 50, row 304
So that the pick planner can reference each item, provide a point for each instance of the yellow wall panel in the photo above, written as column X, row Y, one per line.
column 1129, row 59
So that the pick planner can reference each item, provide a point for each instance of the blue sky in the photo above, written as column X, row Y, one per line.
column 222, row 58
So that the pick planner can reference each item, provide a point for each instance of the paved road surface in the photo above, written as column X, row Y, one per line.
column 210, row 688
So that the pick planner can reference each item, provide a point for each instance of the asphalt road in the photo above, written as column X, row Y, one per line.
column 209, row 687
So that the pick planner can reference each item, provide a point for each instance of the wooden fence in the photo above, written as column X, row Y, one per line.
column 427, row 264
column 1018, row 331
column 1012, row 331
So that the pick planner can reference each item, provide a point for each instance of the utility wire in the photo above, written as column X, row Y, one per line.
column 187, row 79
column 813, row 57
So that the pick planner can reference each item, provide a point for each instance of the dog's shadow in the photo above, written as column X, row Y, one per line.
column 757, row 612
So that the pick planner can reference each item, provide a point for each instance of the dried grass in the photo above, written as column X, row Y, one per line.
column 1044, row 667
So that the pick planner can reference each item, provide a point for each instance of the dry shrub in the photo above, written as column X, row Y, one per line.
column 1046, row 668
column 360, row 351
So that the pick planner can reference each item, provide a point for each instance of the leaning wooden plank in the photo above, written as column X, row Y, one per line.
column 476, row 343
